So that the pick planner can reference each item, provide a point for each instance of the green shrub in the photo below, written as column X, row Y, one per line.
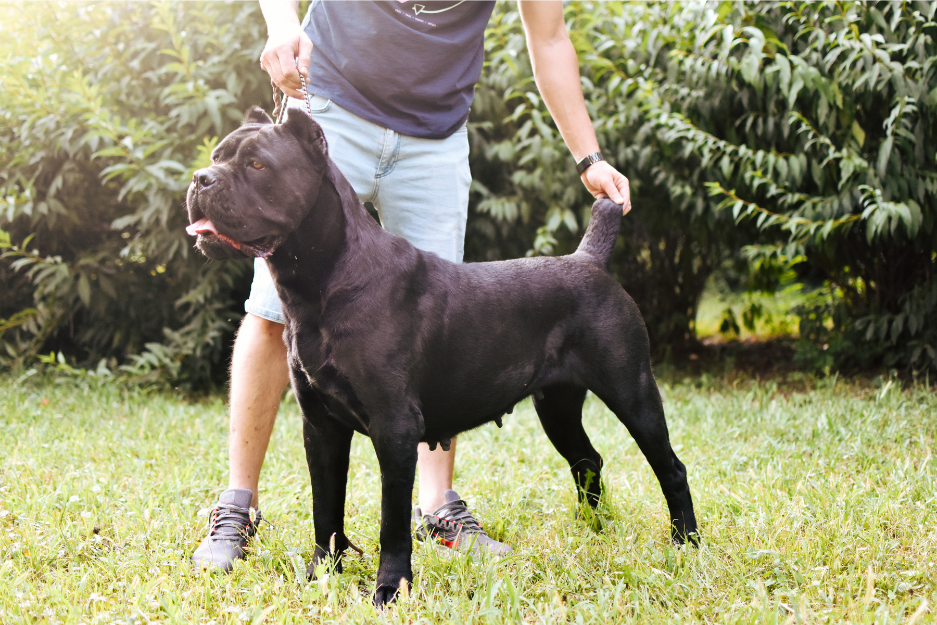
column 106, row 110
column 831, row 155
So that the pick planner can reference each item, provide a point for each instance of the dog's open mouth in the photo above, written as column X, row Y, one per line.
column 261, row 248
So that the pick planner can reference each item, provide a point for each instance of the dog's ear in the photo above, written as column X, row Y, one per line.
column 307, row 131
column 256, row 115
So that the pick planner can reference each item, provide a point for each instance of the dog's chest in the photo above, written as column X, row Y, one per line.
column 339, row 395
column 314, row 356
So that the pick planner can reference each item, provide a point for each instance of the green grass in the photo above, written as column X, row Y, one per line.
column 815, row 506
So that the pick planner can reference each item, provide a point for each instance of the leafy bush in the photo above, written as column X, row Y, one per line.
column 106, row 110
column 831, row 156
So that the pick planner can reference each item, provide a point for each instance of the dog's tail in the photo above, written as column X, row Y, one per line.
column 599, row 240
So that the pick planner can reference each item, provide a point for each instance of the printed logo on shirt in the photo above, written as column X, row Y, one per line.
column 427, row 8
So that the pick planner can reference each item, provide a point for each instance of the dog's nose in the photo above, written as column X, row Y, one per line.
column 203, row 178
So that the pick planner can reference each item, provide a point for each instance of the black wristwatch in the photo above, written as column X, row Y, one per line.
column 588, row 162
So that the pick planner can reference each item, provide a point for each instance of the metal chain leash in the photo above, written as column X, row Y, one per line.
column 277, row 101
column 302, row 79
column 279, row 106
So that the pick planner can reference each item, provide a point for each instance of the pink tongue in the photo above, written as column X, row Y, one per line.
column 202, row 226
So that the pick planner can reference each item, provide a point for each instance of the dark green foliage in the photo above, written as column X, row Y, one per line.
column 817, row 122
column 106, row 110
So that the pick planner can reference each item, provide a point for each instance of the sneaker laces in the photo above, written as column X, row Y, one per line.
column 228, row 520
column 454, row 515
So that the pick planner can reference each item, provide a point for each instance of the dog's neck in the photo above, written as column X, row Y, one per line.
column 335, row 228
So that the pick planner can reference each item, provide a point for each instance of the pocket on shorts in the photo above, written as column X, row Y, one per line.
column 318, row 104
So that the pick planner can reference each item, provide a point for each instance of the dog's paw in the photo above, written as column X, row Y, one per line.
column 322, row 563
column 682, row 538
column 388, row 594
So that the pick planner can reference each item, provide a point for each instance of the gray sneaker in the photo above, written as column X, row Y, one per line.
column 233, row 524
column 453, row 526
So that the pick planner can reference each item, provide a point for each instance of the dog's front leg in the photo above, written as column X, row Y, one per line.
column 395, row 443
column 328, row 445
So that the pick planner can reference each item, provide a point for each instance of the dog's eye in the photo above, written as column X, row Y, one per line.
column 256, row 165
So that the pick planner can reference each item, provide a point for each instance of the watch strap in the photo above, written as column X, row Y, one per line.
column 588, row 161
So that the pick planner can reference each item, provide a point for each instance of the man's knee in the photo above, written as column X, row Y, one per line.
column 259, row 333
column 258, row 325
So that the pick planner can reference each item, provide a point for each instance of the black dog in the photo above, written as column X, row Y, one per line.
column 403, row 347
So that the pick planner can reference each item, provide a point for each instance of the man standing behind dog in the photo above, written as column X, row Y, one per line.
column 391, row 84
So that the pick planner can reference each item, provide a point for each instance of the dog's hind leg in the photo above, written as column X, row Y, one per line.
column 635, row 399
column 560, row 412
column 328, row 445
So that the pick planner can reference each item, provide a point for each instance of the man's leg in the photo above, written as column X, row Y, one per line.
column 259, row 375
column 436, row 469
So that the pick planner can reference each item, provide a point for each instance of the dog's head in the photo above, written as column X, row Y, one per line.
column 263, row 179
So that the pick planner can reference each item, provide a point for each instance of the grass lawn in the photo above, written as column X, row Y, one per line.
column 814, row 506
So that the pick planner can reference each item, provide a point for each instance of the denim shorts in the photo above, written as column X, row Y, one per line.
column 420, row 187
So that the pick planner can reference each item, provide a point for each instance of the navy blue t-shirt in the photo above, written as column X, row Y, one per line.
column 408, row 66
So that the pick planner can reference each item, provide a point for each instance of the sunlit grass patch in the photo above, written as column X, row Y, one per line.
column 814, row 507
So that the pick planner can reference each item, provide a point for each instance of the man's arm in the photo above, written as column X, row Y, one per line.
column 556, row 70
column 286, row 42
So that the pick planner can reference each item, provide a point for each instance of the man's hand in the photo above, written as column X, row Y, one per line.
column 279, row 58
column 601, row 179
